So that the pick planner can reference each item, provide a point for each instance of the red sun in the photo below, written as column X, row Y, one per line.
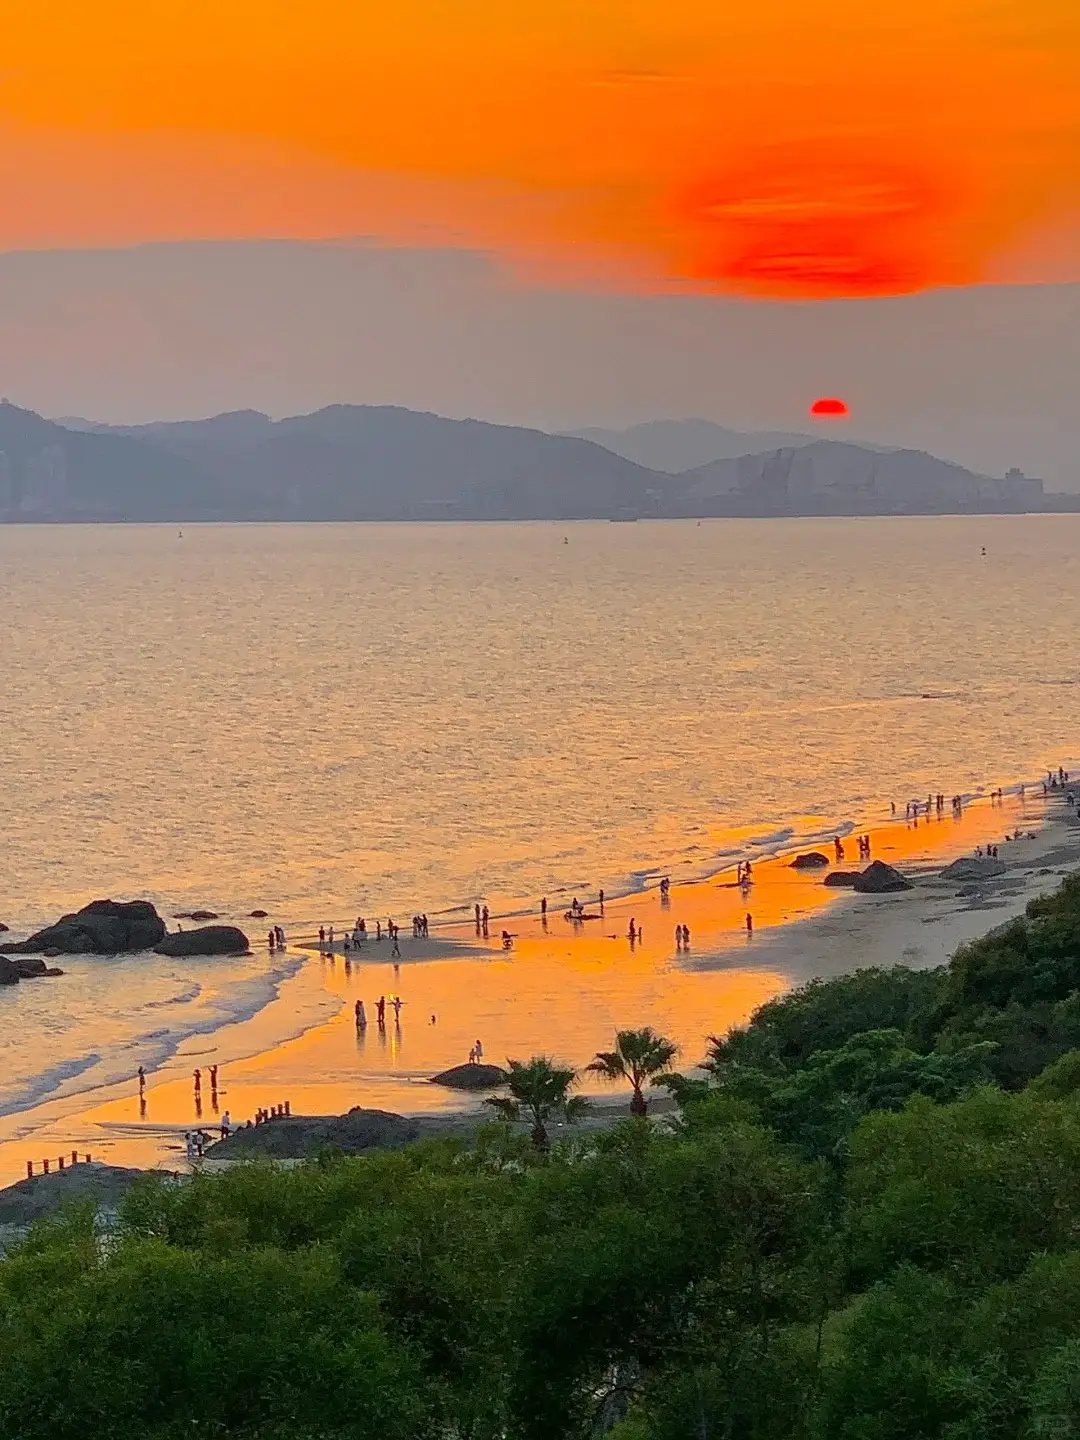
column 829, row 407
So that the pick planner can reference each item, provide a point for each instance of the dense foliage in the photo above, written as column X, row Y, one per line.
column 864, row 1224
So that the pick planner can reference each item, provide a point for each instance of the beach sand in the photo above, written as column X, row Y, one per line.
column 563, row 989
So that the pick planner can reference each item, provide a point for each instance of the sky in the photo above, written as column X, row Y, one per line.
column 784, row 153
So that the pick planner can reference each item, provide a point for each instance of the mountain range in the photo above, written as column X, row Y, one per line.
column 359, row 462
column 677, row 445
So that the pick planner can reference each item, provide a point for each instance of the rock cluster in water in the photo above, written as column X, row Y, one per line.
column 209, row 940
column 104, row 927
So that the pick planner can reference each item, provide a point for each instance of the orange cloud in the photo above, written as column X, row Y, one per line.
column 779, row 148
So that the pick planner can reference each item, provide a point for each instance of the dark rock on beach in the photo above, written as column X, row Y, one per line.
column 258, row 915
column 104, row 927
column 204, row 915
column 210, row 940
column 841, row 879
column 974, row 867
column 30, row 1200
column 295, row 1137
column 3, row 928
column 880, row 879
column 472, row 1077
column 812, row 860
column 8, row 974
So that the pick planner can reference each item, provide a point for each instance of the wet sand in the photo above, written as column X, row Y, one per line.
column 563, row 989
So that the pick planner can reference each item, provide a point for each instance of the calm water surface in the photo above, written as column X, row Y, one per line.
column 321, row 720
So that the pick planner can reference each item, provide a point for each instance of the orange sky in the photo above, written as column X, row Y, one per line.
column 782, row 148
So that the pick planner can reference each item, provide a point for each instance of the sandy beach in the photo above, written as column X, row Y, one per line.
column 563, row 988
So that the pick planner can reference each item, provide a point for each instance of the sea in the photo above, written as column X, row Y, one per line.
column 328, row 720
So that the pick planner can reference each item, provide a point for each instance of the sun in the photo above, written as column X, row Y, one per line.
column 829, row 407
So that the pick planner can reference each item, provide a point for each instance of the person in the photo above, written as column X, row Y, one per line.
column 749, row 923
column 678, row 937
column 330, row 934
column 601, row 899
column 397, row 1003
column 479, row 1052
column 198, row 1082
column 380, row 1010
column 472, row 1056
column 189, row 1146
column 322, row 934
column 632, row 931
column 543, row 908
column 271, row 940
column 476, row 910
column 686, row 937
column 892, row 808
column 361, row 1018
column 433, row 1020
column 838, row 847
column 397, row 948
column 507, row 940
column 142, row 1080
column 226, row 1126
column 213, row 1077
column 484, row 914
column 346, row 945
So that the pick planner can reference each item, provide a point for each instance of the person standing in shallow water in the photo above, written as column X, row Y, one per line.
column 749, row 923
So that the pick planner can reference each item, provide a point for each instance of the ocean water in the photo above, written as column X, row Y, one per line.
column 326, row 720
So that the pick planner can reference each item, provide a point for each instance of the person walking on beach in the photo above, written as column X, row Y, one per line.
column 271, row 941
column 686, row 937
column 142, row 1081
column 397, row 948
column 380, row 1011
column 632, row 931
column 361, row 1018
column 749, row 923
column 678, row 937
column 397, row 1003
column 197, row 1077
column 543, row 908
column 601, row 902
column 476, row 912
column 226, row 1126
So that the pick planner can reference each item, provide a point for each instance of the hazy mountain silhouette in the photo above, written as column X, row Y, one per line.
column 48, row 472
column 677, row 445
column 359, row 462
column 831, row 477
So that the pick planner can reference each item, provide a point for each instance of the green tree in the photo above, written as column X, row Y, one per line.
column 540, row 1092
column 639, row 1056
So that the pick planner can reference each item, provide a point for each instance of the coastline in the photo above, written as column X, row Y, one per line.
column 562, row 989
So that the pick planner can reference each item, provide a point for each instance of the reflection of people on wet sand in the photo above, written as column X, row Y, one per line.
column 507, row 940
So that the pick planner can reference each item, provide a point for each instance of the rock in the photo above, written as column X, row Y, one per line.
column 295, row 1137
column 210, row 940
column 30, row 1200
column 3, row 928
column 258, row 915
column 29, row 966
column 51, row 953
column 812, row 860
column 841, row 879
column 8, row 973
column 203, row 915
column 104, row 927
column 880, row 879
column 52, row 972
column 472, row 1077
column 974, row 867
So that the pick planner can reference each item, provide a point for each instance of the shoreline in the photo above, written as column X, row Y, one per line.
column 562, row 992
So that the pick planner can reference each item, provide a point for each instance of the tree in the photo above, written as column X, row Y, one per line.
column 539, row 1091
column 639, row 1056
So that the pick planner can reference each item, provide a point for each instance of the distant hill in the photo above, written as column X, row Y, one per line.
column 365, row 462
column 359, row 462
column 48, row 472
column 830, row 477
column 677, row 445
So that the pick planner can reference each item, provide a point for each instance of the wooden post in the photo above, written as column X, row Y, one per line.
column 29, row 1169
column 288, row 1107
column 60, row 1162
column 45, row 1167
column 88, row 1159
column 74, row 1157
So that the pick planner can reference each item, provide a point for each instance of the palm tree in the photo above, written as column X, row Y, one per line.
column 539, row 1090
column 639, row 1056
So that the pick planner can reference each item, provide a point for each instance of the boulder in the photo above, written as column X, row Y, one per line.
column 258, row 915
column 880, row 879
column 29, row 966
column 812, row 860
column 104, row 927
column 472, row 1077
column 3, row 928
column 841, row 879
column 203, row 915
column 209, row 940
column 974, row 867
column 8, row 973
column 295, row 1137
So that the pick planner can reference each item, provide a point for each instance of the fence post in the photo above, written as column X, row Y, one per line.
column 74, row 1157
column 60, row 1162
column 29, row 1169
column 45, row 1167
